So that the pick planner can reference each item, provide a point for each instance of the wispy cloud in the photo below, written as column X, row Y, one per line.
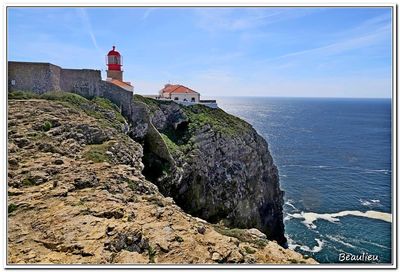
column 228, row 19
column 342, row 46
column 147, row 13
column 82, row 13
column 369, row 33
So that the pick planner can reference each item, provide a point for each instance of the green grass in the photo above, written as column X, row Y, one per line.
column 200, row 115
column 107, row 104
column 173, row 148
column 96, row 107
column 150, row 102
column 152, row 254
column 97, row 153
column 241, row 235
column 236, row 233
column 28, row 182
column 12, row 207
column 46, row 126
column 249, row 250
column 22, row 95
column 220, row 121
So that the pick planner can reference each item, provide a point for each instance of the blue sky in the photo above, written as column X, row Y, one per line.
column 301, row 52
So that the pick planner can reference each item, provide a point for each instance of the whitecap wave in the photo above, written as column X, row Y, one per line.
column 374, row 244
column 371, row 202
column 290, row 204
column 384, row 171
column 310, row 217
column 314, row 249
column 339, row 239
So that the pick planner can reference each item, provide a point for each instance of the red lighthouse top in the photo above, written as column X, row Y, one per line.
column 114, row 60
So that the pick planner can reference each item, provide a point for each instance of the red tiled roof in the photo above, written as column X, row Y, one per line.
column 169, row 89
column 120, row 83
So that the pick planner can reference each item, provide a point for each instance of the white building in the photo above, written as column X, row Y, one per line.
column 182, row 95
column 179, row 93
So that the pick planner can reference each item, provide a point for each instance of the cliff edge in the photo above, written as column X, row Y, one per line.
column 79, row 190
column 213, row 164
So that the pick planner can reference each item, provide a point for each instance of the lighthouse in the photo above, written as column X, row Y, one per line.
column 114, row 71
column 114, row 64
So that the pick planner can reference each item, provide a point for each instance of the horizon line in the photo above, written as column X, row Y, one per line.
column 266, row 96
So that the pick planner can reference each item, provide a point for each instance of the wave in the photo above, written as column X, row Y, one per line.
column 310, row 217
column 314, row 249
column 339, row 239
column 371, row 202
column 289, row 203
column 374, row 244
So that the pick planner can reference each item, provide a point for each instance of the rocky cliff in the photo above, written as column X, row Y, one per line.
column 213, row 164
column 81, row 191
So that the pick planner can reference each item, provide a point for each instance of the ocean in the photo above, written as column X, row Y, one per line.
column 334, row 161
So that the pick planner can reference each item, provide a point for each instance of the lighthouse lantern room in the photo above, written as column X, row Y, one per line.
column 114, row 63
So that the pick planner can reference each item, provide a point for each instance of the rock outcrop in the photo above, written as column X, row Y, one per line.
column 213, row 164
column 76, row 193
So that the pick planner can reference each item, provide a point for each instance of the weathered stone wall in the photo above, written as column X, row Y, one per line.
column 84, row 82
column 46, row 77
column 36, row 77
column 119, row 96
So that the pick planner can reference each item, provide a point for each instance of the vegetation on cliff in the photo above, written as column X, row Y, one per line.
column 100, row 108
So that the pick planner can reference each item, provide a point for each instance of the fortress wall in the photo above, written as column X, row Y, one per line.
column 46, row 77
column 119, row 96
column 54, row 79
column 84, row 82
column 34, row 76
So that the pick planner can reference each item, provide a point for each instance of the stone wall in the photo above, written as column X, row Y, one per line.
column 84, row 82
column 119, row 96
column 45, row 77
column 35, row 77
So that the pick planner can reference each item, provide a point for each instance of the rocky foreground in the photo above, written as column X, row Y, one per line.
column 77, row 195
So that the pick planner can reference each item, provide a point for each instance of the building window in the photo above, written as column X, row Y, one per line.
column 185, row 100
column 176, row 98
column 193, row 99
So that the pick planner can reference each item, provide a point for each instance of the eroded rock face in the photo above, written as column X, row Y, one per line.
column 221, row 168
column 78, row 202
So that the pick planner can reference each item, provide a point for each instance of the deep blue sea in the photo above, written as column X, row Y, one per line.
column 334, row 161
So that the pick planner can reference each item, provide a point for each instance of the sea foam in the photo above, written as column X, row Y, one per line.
column 310, row 217
column 314, row 249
